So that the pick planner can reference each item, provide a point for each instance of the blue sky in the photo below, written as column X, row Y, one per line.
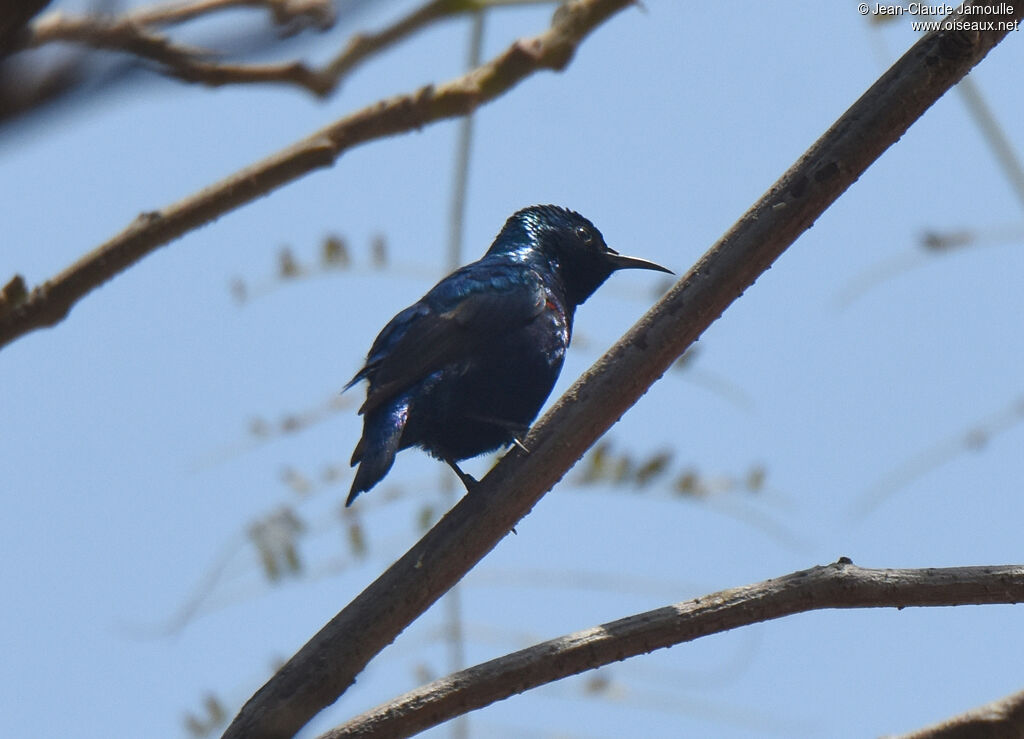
column 130, row 471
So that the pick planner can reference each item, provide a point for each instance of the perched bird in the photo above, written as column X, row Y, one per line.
column 465, row 369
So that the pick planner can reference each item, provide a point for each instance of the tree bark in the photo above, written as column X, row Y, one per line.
column 839, row 585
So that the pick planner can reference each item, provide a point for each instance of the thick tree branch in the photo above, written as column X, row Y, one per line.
column 49, row 303
column 328, row 664
column 840, row 585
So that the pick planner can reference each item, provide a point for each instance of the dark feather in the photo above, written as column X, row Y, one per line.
column 488, row 307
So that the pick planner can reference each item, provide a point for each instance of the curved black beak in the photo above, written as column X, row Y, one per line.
column 621, row 261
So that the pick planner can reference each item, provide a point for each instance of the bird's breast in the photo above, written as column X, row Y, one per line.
column 558, row 324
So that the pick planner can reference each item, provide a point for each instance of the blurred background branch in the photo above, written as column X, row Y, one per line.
column 48, row 303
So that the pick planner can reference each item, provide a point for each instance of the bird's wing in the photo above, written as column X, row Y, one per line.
column 390, row 335
column 473, row 306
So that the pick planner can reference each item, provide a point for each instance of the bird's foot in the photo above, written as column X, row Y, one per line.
column 468, row 480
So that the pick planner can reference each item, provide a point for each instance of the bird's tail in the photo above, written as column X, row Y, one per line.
column 375, row 452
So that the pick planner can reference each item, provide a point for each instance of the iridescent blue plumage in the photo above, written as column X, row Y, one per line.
column 466, row 369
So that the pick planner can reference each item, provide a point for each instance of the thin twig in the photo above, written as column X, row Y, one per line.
column 839, row 585
column 328, row 664
column 362, row 46
column 928, row 460
column 994, row 134
column 47, row 304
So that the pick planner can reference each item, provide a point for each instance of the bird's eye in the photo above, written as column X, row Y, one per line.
column 584, row 235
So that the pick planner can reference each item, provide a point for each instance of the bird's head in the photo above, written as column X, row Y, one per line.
column 569, row 244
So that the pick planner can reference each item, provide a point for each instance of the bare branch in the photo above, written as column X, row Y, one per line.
column 130, row 34
column 320, row 12
column 187, row 63
column 116, row 34
column 1000, row 719
column 48, row 303
column 839, row 585
column 328, row 664
column 136, row 33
